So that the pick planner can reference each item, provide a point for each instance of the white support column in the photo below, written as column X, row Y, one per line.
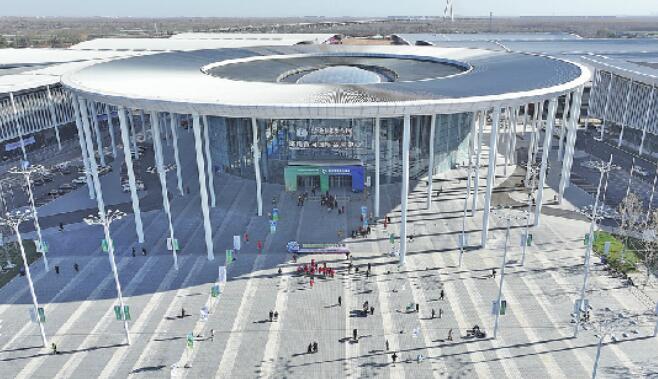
column 607, row 103
column 159, row 164
column 256, row 152
column 83, row 147
column 132, row 133
column 563, row 126
column 525, row 118
column 203, row 190
column 405, row 187
column 211, row 171
column 506, row 140
column 531, row 143
column 143, row 120
column 548, row 137
column 572, row 125
column 174, row 135
column 19, row 124
column 125, row 140
column 53, row 117
column 476, row 181
column 491, row 173
column 110, row 126
column 377, row 168
column 430, row 164
column 515, row 118
column 646, row 119
column 623, row 123
column 99, row 136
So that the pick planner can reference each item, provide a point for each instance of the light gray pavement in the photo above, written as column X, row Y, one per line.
column 534, row 339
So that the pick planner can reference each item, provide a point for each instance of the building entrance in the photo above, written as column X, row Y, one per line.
column 325, row 175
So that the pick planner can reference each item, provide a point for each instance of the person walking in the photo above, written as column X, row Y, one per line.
column 57, row 270
column 355, row 335
column 271, row 315
column 394, row 357
column 133, row 251
column 372, row 310
column 493, row 273
column 450, row 335
column 212, row 335
column 417, row 307
column 312, row 282
column 143, row 251
column 315, row 347
column 276, row 316
column 246, row 237
column 387, row 345
column 309, row 350
column 182, row 313
column 340, row 301
column 54, row 347
column 76, row 267
column 433, row 313
column 61, row 227
column 442, row 295
column 259, row 245
column 440, row 312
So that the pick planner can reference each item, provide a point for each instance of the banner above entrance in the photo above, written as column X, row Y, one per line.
column 324, row 172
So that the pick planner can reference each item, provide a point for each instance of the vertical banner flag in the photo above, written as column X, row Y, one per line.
column 229, row 256
column 221, row 277
column 236, row 243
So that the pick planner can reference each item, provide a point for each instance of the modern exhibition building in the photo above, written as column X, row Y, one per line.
column 308, row 113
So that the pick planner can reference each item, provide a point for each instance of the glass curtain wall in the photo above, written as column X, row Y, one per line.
column 281, row 141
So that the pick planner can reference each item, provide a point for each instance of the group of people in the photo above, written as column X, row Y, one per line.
column 329, row 201
column 313, row 268
column 274, row 316
column 312, row 347
column 301, row 198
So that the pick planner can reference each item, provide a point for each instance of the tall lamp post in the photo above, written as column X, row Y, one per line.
column 531, row 185
column 13, row 220
column 27, row 172
column 106, row 219
column 161, row 171
column 502, row 213
column 603, row 167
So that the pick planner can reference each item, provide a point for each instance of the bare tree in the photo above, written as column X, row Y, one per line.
column 632, row 221
column 650, row 244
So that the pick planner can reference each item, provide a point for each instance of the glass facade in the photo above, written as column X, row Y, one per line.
column 282, row 141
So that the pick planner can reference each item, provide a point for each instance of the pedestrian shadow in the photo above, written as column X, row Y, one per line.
column 261, row 321
column 331, row 306
column 21, row 349
column 147, row 369
column 64, row 352
column 167, row 339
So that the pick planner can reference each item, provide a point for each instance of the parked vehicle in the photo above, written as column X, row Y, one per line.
column 66, row 187
column 80, row 180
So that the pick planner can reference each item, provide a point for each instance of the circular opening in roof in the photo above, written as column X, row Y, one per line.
column 336, row 69
column 340, row 75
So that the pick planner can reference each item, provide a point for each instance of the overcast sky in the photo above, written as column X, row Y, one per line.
column 262, row 8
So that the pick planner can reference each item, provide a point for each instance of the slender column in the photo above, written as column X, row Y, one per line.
column 159, row 164
column 646, row 119
column 53, row 117
column 574, row 114
column 101, row 204
column 525, row 118
column 607, row 102
column 83, row 148
column 110, row 126
column 18, row 124
column 506, row 140
column 143, row 120
column 132, row 133
column 211, row 171
column 563, row 126
column 174, row 135
column 491, row 172
column 125, row 140
column 99, row 136
column 203, row 190
column 538, row 128
column 552, row 107
column 430, row 165
column 377, row 132
column 515, row 117
column 256, row 152
column 476, row 180
column 405, row 187
column 623, row 123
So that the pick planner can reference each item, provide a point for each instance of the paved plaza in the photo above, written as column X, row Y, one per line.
column 535, row 337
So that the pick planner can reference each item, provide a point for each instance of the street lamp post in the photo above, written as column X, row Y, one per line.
column 14, row 220
column 27, row 172
column 503, row 213
column 603, row 168
column 162, row 171
column 106, row 219
column 532, row 177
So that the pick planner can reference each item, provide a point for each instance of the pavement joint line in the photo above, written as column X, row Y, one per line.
column 51, row 306
column 34, row 364
column 274, row 334
column 107, row 318
column 225, row 368
column 438, row 366
column 139, row 325
column 145, row 353
column 396, row 371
